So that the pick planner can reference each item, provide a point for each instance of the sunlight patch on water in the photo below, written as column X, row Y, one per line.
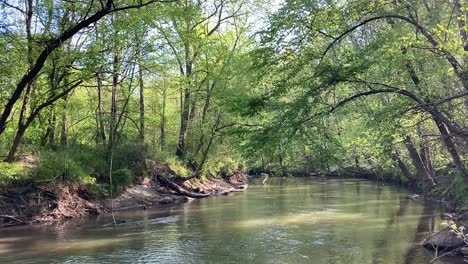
column 301, row 218
column 78, row 245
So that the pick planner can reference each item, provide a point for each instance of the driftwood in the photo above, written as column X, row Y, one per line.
column 11, row 220
column 179, row 190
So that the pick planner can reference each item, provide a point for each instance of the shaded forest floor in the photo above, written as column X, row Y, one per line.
column 27, row 203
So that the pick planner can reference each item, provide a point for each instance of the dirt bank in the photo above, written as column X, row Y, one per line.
column 30, row 203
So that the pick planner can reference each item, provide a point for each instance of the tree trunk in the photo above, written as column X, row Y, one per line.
column 180, row 152
column 16, row 142
column 208, row 147
column 421, row 171
column 280, row 159
column 113, row 109
column 162, row 127
column 64, row 127
column 142, row 104
column 424, row 151
column 22, row 117
column 49, row 136
column 100, row 133
column 441, row 122
column 404, row 169
column 452, row 150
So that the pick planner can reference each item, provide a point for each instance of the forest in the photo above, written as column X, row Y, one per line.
column 91, row 90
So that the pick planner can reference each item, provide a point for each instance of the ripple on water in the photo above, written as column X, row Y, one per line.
column 319, row 222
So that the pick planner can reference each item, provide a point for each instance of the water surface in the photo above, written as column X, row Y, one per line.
column 286, row 221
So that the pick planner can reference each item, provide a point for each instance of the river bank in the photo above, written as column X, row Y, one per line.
column 291, row 221
column 31, row 203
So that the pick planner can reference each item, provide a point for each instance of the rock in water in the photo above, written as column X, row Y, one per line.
column 443, row 240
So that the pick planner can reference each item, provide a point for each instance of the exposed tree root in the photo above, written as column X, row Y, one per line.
column 35, row 204
column 31, row 203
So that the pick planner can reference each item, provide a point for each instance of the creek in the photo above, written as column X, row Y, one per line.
column 303, row 220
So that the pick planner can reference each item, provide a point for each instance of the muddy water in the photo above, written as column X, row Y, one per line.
column 286, row 221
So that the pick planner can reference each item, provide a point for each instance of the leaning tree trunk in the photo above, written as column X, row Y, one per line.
column 452, row 150
column 404, row 169
column 421, row 171
column 16, row 142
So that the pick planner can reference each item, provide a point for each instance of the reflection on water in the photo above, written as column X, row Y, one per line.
column 286, row 221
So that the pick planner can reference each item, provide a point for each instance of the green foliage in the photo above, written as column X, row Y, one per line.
column 178, row 167
column 60, row 166
column 130, row 155
column 121, row 178
column 223, row 166
column 458, row 191
column 10, row 172
column 301, row 97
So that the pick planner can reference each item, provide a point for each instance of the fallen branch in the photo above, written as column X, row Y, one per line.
column 16, row 220
column 179, row 190
column 443, row 255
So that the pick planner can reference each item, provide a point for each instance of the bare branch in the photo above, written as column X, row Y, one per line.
column 4, row 2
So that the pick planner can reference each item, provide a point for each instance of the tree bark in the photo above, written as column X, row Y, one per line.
column 421, row 171
column 452, row 150
column 49, row 136
column 162, row 126
column 142, row 104
column 208, row 147
column 64, row 127
column 180, row 152
column 404, row 169
column 21, row 128
column 16, row 142
column 113, row 105
column 101, row 132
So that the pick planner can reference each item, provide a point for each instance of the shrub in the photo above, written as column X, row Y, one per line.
column 121, row 178
column 10, row 172
column 457, row 190
column 62, row 166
